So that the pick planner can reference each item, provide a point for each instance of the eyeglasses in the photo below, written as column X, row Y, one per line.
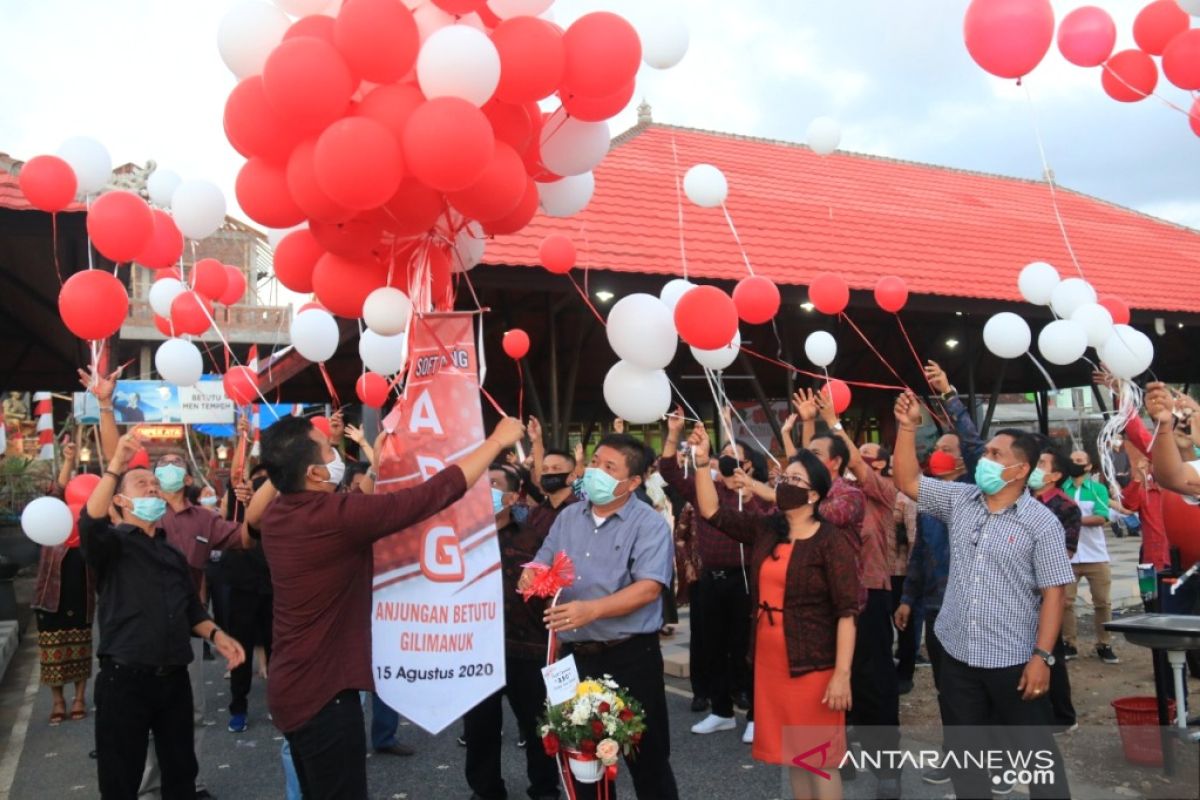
column 174, row 460
column 792, row 480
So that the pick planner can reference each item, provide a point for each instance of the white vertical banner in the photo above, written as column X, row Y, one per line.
column 437, row 625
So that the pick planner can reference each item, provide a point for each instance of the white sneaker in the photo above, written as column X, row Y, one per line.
column 748, row 735
column 712, row 723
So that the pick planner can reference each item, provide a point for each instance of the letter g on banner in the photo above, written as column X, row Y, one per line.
column 441, row 555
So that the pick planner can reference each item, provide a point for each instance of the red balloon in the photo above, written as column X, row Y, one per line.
column 378, row 39
column 498, row 191
column 306, row 192
column 706, row 318
column 165, row 245
column 603, row 53
column 191, row 312
column 357, row 163
column 557, row 254
column 516, row 343
column 317, row 25
column 838, row 391
column 448, row 144
column 391, row 106
column 356, row 238
column 891, row 293
column 459, row 7
column 253, row 127
column 307, row 83
column 235, row 289
column 1117, row 307
column 413, row 209
column 1086, row 36
column 1129, row 76
column 1157, row 24
column 241, row 385
column 209, row 278
column 120, row 225
column 311, row 304
column 1194, row 117
column 79, row 488
column 532, row 59
column 322, row 424
column 48, row 183
column 93, row 304
column 262, row 192
column 342, row 284
column 510, row 123
column 757, row 299
column 170, row 272
column 165, row 327
column 372, row 389
column 829, row 293
column 1181, row 60
column 598, row 109
column 295, row 257
column 524, row 213
column 1008, row 38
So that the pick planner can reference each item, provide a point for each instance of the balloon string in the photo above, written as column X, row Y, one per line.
column 1049, row 174
column 1155, row 95
column 333, row 395
column 587, row 301
column 879, row 355
column 232, row 355
column 520, row 390
column 943, row 419
column 54, row 246
column 446, row 355
column 1042, row 370
column 738, row 239
column 818, row 376
column 679, row 202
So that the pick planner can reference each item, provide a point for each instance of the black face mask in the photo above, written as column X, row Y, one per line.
column 727, row 465
column 789, row 497
column 554, row 483
column 1076, row 470
column 258, row 482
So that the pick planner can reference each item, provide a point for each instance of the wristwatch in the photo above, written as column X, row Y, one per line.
column 951, row 392
column 1047, row 657
column 212, row 637
column 837, row 426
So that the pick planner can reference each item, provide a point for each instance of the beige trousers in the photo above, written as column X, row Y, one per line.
column 1099, row 578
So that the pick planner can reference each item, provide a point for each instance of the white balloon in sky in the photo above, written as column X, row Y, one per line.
column 459, row 61
column 567, row 197
column 199, row 208
column 824, row 135
column 248, row 33
column 1069, row 295
column 161, row 184
column 383, row 354
column 674, row 290
column 1037, row 281
column 162, row 293
column 706, row 186
column 664, row 38
column 571, row 146
column 91, row 162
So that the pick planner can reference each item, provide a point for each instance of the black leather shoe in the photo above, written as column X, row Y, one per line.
column 742, row 701
column 396, row 750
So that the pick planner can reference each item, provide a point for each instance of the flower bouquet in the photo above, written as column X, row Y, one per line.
column 594, row 728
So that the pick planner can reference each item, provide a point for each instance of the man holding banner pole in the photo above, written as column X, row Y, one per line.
column 319, row 547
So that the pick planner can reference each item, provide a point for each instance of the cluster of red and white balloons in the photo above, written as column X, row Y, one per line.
column 1009, row 38
column 1082, row 320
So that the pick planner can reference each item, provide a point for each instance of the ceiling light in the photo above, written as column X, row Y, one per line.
column 952, row 343
column 958, row 313
column 807, row 307
column 604, row 296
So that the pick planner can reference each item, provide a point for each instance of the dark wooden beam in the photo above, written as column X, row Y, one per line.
column 991, row 409
column 762, row 398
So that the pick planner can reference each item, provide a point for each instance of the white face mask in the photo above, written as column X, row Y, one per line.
column 336, row 468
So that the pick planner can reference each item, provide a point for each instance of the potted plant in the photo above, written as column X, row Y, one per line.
column 594, row 728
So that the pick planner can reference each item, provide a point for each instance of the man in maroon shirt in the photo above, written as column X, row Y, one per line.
column 319, row 547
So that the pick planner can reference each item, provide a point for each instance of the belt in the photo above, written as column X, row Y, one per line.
column 594, row 648
column 144, row 669
column 770, row 612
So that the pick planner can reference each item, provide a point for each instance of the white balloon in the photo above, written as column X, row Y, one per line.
column 1062, row 342
column 469, row 246
column 383, row 354
column 505, row 9
column 1007, row 335
column 47, row 521
column 199, row 208
column 641, row 330
column 178, row 361
column 821, row 348
column 303, row 8
column 386, row 311
column 664, row 38
column 430, row 19
column 721, row 358
column 636, row 395
column 824, row 135
column 1037, row 281
column 275, row 235
column 315, row 334
column 1128, row 352
column 567, row 197
column 247, row 34
column 1097, row 321
column 161, row 186
column 674, row 290
column 91, row 162
column 705, row 185
column 162, row 293
column 571, row 146
column 1070, row 295
column 459, row 61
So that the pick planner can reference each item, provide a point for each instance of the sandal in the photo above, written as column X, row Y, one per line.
column 57, row 715
column 78, row 711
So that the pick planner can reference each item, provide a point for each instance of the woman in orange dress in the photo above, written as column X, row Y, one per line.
column 804, row 585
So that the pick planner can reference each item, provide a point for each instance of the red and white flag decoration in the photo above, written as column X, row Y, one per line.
column 43, row 408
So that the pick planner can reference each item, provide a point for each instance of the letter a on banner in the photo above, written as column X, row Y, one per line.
column 438, row 608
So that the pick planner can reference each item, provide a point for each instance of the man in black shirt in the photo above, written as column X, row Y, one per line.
column 147, row 610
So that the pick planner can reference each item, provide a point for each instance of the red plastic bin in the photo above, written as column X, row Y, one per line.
column 1137, row 719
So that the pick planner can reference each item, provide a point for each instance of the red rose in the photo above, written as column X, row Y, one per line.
column 587, row 746
column 597, row 727
column 625, row 715
column 604, row 708
column 635, row 738
column 550, row 744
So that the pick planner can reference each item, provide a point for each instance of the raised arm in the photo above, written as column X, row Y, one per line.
column 68, row 465
column 675, row 423
column 537, row 448
column 805, row 403
column 906, row 470
column 789, row 443
column 103, row 386
column 706, row 498
column 858, row 467
column 1167, row 467
column 968, row 435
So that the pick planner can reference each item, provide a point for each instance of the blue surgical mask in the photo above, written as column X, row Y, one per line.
column 170, row 477
column 599, row 486
column 209, row 501
column 497, row 500
column 989, row 476
column 1196, row 451
column 520, row 513
column 1037, row 479
column 148, row 509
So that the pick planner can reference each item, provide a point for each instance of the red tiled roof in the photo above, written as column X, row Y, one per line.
column 945, row 231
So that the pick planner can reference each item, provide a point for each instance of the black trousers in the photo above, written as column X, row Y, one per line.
column 249, row 623
column 975, row 701
column 934, row 646
column 726, row 621
column 873, row 683
column 906, row 640
column 637, row 665
column 527, row 697
column 130, row 705
column 330, row 751
column 1060, row 688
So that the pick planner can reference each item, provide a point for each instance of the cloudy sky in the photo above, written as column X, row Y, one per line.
column 144, row 77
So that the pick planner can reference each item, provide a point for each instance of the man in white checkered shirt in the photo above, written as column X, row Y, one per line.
column 1004, row 601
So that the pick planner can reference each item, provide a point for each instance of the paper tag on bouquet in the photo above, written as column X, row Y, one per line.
column 562, row 678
